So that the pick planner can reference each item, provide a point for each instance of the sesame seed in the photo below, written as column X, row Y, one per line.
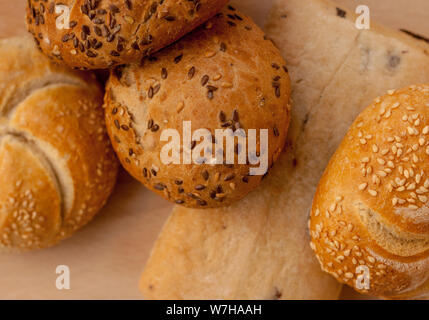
column 372, row 192
column 382, row 173
column 381, row 161
column 423, row 199
column 363, row 186
column 411, row 186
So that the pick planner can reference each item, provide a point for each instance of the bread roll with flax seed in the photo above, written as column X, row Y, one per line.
column 223, row 75
column 97, row 34
column 371, row 205
column 57, row 167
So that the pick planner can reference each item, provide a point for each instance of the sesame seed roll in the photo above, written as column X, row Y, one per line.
column 370, row 215
column 224, row 75
column 57, row 167
column 99, row 34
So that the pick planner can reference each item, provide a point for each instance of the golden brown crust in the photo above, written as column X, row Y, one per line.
column 97, row 34
column 56, row 161
column 371, row 205
column 28, row 218
column 222, row 75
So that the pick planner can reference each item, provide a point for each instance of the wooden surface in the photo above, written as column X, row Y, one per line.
column 107, row 257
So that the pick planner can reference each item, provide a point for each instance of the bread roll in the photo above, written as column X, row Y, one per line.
column 224, row 75
column 57, row 167
column 264, row 250
column 371, row 205
column 97, row 34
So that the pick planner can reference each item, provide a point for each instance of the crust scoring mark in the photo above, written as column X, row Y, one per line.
column 38, row 153
column 38, row 147
column 391, row 238
column 11, row 99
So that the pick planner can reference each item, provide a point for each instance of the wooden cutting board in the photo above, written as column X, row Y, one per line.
column 106, row 258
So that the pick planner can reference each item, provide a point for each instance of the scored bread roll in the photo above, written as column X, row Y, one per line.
column 371, row 206
column 224, row 75
column 57, row 167
column 98, row 34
